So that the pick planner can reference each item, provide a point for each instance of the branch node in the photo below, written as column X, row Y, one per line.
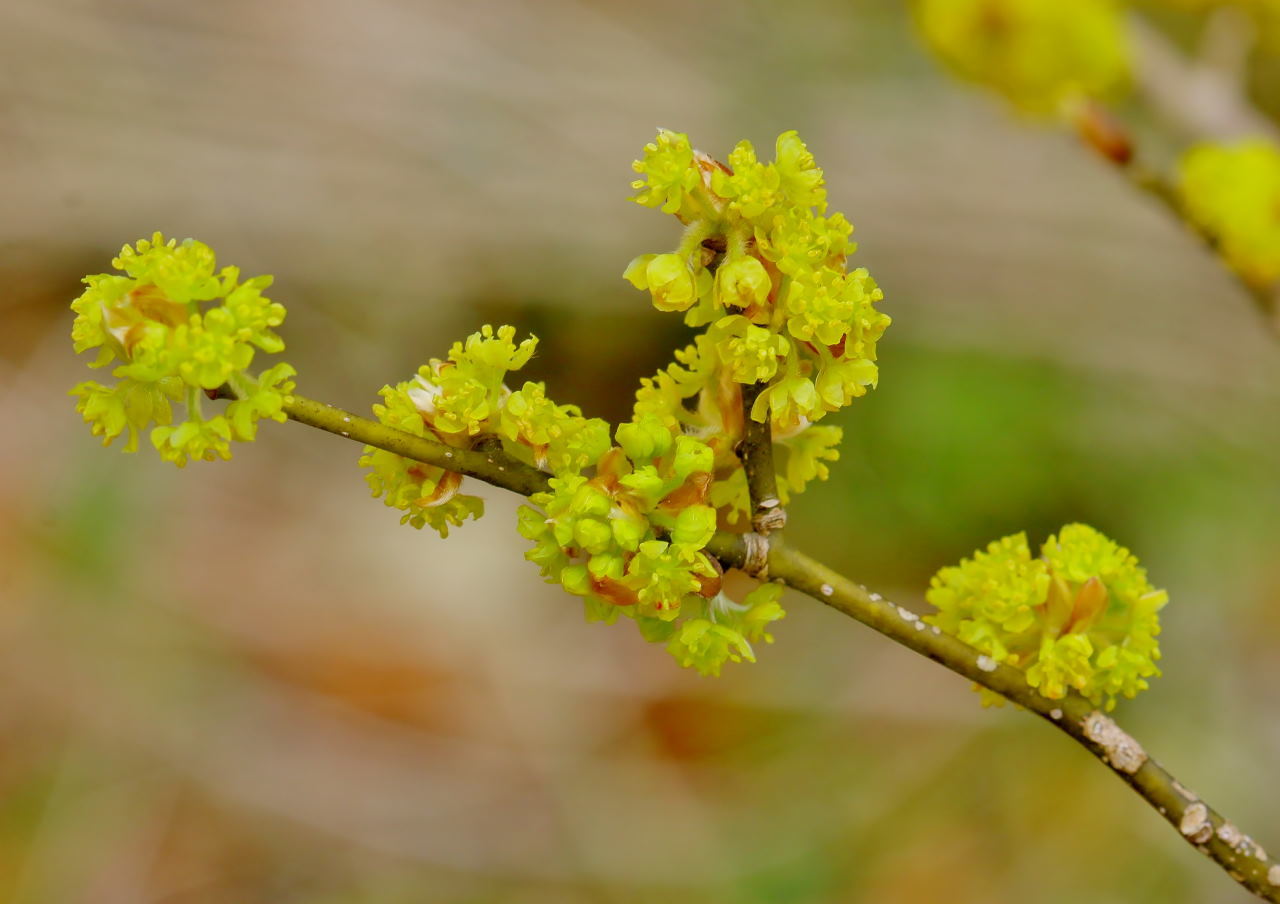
column 769, row 516
column 756, row 561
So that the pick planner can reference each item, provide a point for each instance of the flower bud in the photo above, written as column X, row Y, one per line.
column 644, row 438
column 743, row 282
column 671, row 283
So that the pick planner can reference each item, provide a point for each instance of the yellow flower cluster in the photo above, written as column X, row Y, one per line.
column 1081, row 616
column 1233, row 192
column 1040, row 54
column 462, row 401
column 177, row 329
column 763, row 268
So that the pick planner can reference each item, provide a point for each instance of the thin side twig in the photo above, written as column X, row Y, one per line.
column 492, row 466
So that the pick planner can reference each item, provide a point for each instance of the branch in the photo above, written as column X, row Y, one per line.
column 1203, row 827
column 1109, row 139
column 756, row 453
column 1157, row 186
column 1197, row 97
column 1207, row 830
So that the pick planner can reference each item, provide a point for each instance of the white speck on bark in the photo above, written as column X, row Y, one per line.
column 827, row 589
column 937, row 630
column 346, row 420
column 1273, row 876
column 1241, row 843
column 986, row 663
column 874, row 597
column 907, row 614
column 1055, row 714
column 1122, row 751
column 1195, row 823
column 1229, row 834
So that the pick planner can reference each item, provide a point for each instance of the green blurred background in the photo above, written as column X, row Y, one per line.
column 246, row 682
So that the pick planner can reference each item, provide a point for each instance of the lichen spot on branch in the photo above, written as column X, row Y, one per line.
column 1195, row 824
column 1122, row 751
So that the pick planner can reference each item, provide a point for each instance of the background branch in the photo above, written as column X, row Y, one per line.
column 1157, row 186
column 1099, row 130
column 1202, row 99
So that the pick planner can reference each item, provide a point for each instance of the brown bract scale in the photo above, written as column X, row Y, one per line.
column 1103, row 133
column 710, row 585
column 616, row 592
column 692, row 492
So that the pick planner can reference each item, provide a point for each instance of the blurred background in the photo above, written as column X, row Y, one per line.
column 247, row 682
